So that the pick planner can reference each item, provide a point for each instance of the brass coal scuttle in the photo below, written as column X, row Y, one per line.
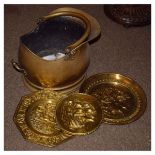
column 56, row 53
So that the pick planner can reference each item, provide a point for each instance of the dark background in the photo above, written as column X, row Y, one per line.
column 120, row 50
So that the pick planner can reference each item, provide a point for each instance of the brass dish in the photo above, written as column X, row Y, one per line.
column 35, row 118
column 79, row 114
column 121, row 98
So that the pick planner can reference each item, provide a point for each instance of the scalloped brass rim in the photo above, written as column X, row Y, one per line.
column 31, row 135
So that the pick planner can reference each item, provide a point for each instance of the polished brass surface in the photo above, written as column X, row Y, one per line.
column 79, row 114
column 49, row 74
column 63, row 72
column 74, row 87
column 35, row 118
column 121, row 98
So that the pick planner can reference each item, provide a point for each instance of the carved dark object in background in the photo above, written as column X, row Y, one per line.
column 129, row 15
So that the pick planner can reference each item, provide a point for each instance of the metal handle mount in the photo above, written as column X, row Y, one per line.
column 17, row 67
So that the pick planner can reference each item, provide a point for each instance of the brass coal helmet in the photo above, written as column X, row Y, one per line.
column 55, row 54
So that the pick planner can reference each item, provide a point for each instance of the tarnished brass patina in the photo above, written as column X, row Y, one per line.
column 79, row 114
column 121, row 98
column 36, row 120
column 76, row 28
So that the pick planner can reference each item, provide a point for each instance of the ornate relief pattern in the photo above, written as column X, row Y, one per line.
column 35, row 117
column 115, row 102
column 78, row 114
column 122, row 99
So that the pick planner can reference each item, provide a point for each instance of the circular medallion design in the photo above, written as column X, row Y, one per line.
column 122, row 99
column 79, row 114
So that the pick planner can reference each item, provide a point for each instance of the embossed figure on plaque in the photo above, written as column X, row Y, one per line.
column 79, row 114
column 122, row 100
column 116, row 101
column 35, row 118
column 76, row 115
column 41, row 117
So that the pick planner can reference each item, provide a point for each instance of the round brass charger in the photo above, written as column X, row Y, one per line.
column 121, row 98
column 79, row 114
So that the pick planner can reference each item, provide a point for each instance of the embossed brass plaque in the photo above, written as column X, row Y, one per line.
column 35, row 118
column 122, row 99
column 79, row 114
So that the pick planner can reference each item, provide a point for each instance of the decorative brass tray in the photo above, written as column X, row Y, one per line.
column 122, row 99
column 79, row 114
column 35, row 118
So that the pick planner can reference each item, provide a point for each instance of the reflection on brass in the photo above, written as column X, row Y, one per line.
column 122, row 99
column 79, row 114
column 35, row 118
column 74, row 87
column 59, row 73
column 66, row 31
